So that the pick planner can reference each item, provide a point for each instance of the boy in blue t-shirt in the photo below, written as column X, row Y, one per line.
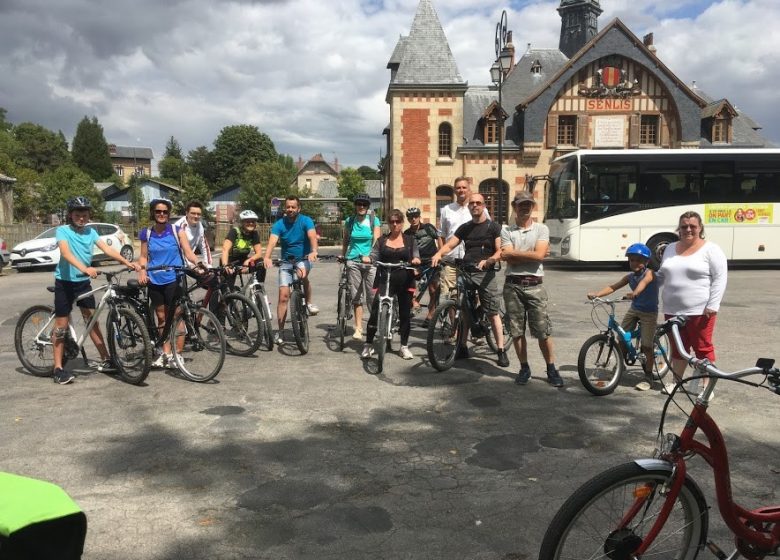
column 644, row 303
column 298, row 238
column 76, row 241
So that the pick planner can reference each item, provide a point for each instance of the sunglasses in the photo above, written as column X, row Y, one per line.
column 474, row 203
column 361, row 204
column 395, row 221
column 689, row 226
column 164, row 212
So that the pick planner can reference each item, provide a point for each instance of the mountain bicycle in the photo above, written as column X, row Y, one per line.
column 652, row 508
column 387, row 323
column 238, row 314
column 126, row 335
column 427, row 275
column 255, row 290
column 448, row 330
column 297, row 308
column 195, row 334
column 603, row 357
column 343, row 304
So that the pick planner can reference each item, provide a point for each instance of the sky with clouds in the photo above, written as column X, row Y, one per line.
column 312, row 74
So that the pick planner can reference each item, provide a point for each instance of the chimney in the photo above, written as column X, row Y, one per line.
column 648, row 41
column 336, row 163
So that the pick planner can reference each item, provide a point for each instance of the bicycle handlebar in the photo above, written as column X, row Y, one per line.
column 399, row 265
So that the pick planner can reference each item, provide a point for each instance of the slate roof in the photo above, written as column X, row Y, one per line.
column 103, row 186
column 130, row 152
column 330, row 189
column 424, row 56
column 744, row 130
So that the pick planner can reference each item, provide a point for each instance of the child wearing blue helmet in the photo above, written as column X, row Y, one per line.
column 644, row 303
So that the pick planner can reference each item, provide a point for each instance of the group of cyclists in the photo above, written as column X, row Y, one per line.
column 468, row 242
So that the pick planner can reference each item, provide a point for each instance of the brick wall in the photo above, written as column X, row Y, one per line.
column 415, row 153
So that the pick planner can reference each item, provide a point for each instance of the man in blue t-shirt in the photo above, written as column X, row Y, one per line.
column 299, row 250
column 76, row 241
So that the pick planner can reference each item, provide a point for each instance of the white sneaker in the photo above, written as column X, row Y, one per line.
column 368, row 351
column 278, row 340
column 159, row 362
column 313, row 309
column 357, row 335
column 170, row 362
column 405, row 353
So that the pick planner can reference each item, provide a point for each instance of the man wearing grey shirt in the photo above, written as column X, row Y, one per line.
column 523, row 247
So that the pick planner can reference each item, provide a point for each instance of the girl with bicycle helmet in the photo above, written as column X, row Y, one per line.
column 163, row 244
column 643, row 294
column 76, row 241
column 361, row 230
column 242, row 243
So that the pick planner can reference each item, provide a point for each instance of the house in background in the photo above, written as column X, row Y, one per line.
column 223, row 204
column 313, row 172
column 129, row 160
column 117, row 197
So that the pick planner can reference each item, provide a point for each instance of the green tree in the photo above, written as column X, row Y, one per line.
column 368, row 173
column 90, row 150
column 10, row 152
column 172, row 149
column 172, row 169
column 261, row 182
column 201, row 163
column 64, row 183
column 41, row 149
column 138, row 205
column 350, row 184
column 194, row 187
column 27, row 195
column 5, row 126
column 237, row 148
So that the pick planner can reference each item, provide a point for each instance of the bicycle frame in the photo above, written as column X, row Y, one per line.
column 745, row 524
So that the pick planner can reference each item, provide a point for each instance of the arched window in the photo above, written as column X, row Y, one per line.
column 444, row 195
column 489, row 189
column 445, row 140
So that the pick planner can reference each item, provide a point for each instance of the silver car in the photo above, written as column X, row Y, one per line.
column 42, row 251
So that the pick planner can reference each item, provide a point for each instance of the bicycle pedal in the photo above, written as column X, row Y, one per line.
column 716, row 551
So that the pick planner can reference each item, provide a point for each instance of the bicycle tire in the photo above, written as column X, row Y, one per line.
column 600, row 364
column 341, row 315
column 489, row 333
column 300, row 321
column 443, row 335
column 661, row 356
column 584, row 526
column 36, row 357
column 129, row 344
column 381, row 338
column 266, row 317
column 243, row 328
column 396, row 326
column 198, row 344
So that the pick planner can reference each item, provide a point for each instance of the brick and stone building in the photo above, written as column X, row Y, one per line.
column 129, row 160
column 598, row 89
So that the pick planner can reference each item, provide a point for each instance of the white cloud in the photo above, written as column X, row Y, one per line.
column 312, row 74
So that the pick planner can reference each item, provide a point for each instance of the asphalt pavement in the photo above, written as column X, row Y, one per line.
column 287, row 456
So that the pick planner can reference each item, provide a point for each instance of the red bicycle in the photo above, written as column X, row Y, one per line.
column 652, row 508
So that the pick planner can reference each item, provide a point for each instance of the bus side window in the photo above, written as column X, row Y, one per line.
column 763, row 190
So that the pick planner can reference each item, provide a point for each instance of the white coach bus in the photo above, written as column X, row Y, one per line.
column 598, row 202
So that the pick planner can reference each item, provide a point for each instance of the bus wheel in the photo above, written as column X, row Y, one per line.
column 657, row 245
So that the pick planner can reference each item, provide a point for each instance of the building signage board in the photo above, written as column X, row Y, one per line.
column 608, row 105
column 609, row 132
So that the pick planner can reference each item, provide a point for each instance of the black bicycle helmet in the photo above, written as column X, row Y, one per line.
column 156, row 201
column 362, row 197
column 79, row 203
column 413, row 211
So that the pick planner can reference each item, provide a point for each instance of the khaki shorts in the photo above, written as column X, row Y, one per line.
column 647, row 323
column 527, row 305
column 448, row 277
column 487, row 287
column 360, row 277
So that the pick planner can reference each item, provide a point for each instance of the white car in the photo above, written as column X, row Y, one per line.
column 42, row 251
column 5, row 256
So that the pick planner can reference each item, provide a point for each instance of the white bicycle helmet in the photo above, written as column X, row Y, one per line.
column 247, row 215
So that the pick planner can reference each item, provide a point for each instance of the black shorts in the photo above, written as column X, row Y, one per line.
column 66, row 292
column 163, row 294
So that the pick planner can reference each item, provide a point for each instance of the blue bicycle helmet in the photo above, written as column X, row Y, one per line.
column 639, row 249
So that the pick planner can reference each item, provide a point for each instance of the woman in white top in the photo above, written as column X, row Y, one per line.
column 196, row 233
column 693, row 274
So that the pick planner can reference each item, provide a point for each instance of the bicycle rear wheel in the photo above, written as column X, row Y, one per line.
column 381, row 339
column 443, row 335
column 243, row 327
column 267, row 339
column 32, row 340
column 610, row 515
column 600, row 364
column 198, row 344
column 300, row 321
column 489, row 333
column 341, row 316
column 129, row 344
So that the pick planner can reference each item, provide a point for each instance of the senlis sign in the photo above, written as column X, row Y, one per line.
column 608, row 105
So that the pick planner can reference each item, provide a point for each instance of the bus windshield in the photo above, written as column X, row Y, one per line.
column 562, row 193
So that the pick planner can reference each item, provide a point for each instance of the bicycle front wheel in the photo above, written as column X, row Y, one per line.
column 600, row 364
column 341, row 317
column 198, row 344
column 243, row 327
column 265, row 316
column 443, row 335
column 300, row 321
column 129, row 344
column 661, row 355
column 610, row 515
column 32, row 340
column 382, row 335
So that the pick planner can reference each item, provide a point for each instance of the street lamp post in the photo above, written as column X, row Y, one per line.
column 502, row 65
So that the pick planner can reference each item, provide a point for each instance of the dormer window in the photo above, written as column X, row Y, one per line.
column 491, row 130
column 720, row 130
column 536, row 68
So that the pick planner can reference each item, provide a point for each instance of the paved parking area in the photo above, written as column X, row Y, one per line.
column 289, row 456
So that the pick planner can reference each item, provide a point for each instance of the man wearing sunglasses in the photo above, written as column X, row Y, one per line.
column 481, row 240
